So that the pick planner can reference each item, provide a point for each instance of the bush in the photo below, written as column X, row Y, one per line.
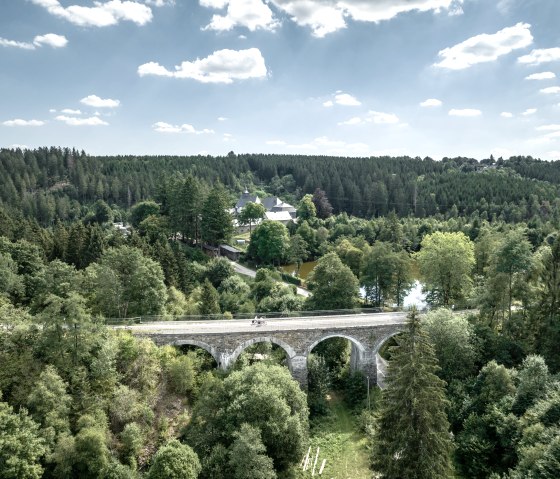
column 288, row 278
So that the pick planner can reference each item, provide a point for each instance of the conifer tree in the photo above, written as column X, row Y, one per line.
column 209, row 299
column 412, row 437
column 217, row 226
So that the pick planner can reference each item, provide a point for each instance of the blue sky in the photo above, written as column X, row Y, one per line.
column 340, row 77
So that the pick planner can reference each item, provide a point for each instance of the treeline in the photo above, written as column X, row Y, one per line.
column 55, row 183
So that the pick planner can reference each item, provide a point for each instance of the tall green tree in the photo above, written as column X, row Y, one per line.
column 209, row 299
column 377, row 275
column 247, row 455
column 306, row 209
column 446, row 261
column 333, row 284
column 216, row 225
column 21, row 446
column 513, row 257
column 251, row 214
column 412, row 438
column 175, row 461
column 125, row 283
column 270, row 243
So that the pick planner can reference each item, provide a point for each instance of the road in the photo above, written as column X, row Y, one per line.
column 240, row 269
column 271, row 325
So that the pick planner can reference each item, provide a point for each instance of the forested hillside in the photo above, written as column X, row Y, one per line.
column 51, row 183
column 79, row 399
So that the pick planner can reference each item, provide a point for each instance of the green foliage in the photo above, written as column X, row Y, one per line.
column 412, row 437
column 142, row 210
column 333, row 284
column 21, row 446
column 250, row 214
column 319, row 383
column 216, row 224
column 270, row 243
column 454, row 342
column 446, row 261
column 218, row 270
column 209, row 299
column 247, row 455
column 263, row 396
column 125, row 283
column 306, row 209
column 181, row 372
column 175, row 461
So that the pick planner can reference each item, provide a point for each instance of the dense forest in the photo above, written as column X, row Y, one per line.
column 51, row 183
column 473, row 387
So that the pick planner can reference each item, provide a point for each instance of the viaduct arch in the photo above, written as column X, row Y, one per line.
column 226, row 340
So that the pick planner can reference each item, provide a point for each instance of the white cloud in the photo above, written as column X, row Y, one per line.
column 21, row 147
column 548, row 128
column 72, row 121
column 97, row 102
column 554, row 155
column 541, row 76
column 20, row 122
column 251, row 14
column 4, row 42
column 328, row 104
column 345, row 99
column 102, row 14
column 485, row 48
column 529, row 111
column 276, row 142
column 50, row 39
column 69, row 111
column 163, row 127
column 160, row 3
column 506, row 114
column 466, row 112
column 543, row 55
column 431, row 102
column 352, row 121
column 551, row 90
column 380, row 117
column 222, row 118
column 328, row 16
column 222, row 66
column 377, row 117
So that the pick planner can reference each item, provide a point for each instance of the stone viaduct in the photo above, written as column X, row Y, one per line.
column 226, row 340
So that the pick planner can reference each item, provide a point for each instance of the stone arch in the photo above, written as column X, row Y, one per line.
column 352, row 340
column 290, row 352
column 384, row 339
column 357, row 356
column 193, row 342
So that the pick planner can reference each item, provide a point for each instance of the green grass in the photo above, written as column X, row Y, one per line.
column 341, row 443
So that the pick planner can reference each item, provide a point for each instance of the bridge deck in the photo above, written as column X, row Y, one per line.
column 288, row 324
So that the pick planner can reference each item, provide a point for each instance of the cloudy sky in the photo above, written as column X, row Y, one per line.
column 342, row 77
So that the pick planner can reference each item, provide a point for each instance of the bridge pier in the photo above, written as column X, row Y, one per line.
column 298, row 368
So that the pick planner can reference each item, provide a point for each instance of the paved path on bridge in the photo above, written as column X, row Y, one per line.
column 240, row 269
column 270, row 325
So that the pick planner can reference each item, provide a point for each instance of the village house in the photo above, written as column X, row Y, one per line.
column 276, row 210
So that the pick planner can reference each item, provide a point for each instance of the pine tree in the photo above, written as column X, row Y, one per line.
column 217, row 226
column 412, row 437
column 209, row 299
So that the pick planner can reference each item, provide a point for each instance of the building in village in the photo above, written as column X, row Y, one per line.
column 276, row 210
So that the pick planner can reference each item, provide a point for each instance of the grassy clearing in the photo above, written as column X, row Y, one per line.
column 341, row 443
